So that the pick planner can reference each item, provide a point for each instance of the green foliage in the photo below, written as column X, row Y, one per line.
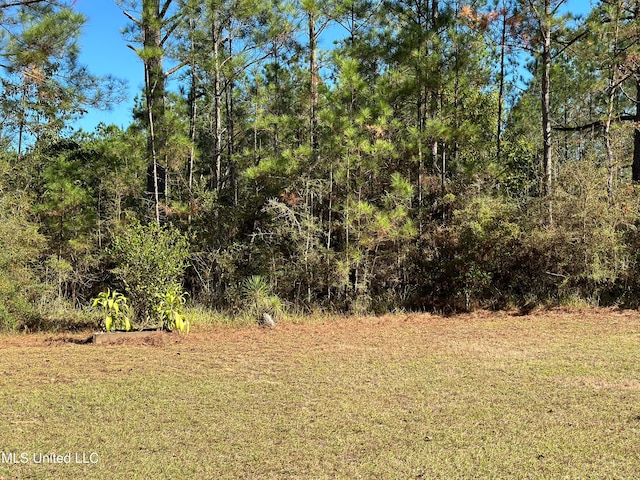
column 115, row 309
column 150, row 261
column 20, row 248
column 385, row 182
column 586, row 253
column 496, row 252
column 258, row 298
column 169, row 310
column 295, row 238
column 402, row 190
column 66, row 204
column 81, row 188
column 44, row 85
column 470, row 262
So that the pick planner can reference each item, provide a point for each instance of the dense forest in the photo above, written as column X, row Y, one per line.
column 344, row 156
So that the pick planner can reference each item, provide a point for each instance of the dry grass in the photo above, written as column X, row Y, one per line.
column 550, row 395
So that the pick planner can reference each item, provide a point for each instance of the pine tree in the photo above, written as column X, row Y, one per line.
column 43, row 85
column 153, row 30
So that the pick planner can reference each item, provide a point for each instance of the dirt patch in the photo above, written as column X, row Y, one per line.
column 153, row 338
column 66, row 339
column 510, row 330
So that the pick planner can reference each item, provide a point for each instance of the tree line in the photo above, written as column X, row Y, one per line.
column 349, row 156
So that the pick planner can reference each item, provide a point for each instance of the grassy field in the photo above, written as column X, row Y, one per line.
column 549, row 395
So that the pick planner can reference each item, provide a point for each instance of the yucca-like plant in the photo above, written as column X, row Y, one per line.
column 115, row 307
column 258, row 296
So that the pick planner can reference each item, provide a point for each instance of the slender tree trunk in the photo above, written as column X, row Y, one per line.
column 610, row 105
column 193, row 112
column 443, row 168
column 231, row 133
column 458, row 104
column 503, row 47
column 434, row 14
column 193, row 108
column 313, row 90
column 217, row 105
column 434, row 101
column 421, row 112
column 545, row 25
column 192, row 134
column 23, row 114
column 154, row 157
column 420, row 178
column 635, row 168
column 277, row 101
column 155, row 95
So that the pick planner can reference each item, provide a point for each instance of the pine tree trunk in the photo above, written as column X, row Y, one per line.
column 434, row 100
column 217, row 105
column 313, row 89
column 503, row 43
column 233, row 168
column 154, row 156
column 193, row 108
column 610, row 106
column 635, row 168
column 155, row 95
column 546, row 108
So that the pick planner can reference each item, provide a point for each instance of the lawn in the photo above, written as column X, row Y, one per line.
column 549, row 395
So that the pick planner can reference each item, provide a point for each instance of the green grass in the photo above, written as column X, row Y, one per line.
column 552, row 395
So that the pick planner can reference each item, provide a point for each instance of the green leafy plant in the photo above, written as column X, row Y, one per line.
column 115, row 307
column 169, row 309
column 151, row 261
column 257, row 294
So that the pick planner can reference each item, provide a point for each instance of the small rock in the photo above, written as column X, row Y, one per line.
column 266, row 321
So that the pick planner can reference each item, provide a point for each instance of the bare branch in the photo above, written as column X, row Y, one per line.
column 597, row 124
column 555, row 9
column 21, row 3
column 132, row 18
column 175, row 69
column 568, row 43
column 165, row 8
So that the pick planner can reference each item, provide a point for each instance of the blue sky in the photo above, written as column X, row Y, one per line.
column 104, row 51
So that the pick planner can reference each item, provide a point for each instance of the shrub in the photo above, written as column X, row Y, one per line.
column 20, row 245
column 586, row 252
column 469, row 262
column 151, row 261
